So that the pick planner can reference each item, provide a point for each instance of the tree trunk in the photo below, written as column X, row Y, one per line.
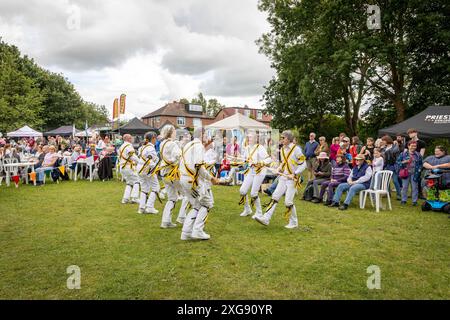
column 400, row 108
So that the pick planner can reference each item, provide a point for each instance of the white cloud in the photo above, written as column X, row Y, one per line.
column 155, row 51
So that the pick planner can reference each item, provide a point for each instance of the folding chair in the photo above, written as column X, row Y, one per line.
column 380, row 187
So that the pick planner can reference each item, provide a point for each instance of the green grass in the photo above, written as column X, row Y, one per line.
column 43, row 230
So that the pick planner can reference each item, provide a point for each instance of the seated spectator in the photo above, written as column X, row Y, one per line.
column 358, row 180
column 48, row 163
column 74, row 156
column 411, row 160
column 440, row 160
column 340, row 172
column 321, row 174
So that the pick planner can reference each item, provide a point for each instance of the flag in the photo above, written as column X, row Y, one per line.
column 62, row 169
column 32, row 176
column 16, row 180
column 73, row 130
column 115, row 109
column 122, row 103
column 86, row 130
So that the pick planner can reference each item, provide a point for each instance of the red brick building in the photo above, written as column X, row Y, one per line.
column 178, row 114
column 189, row 116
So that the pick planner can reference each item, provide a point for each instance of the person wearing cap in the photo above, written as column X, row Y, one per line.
column 146, row 167
column 322, row 173
column 358, row 180
column 293, row 163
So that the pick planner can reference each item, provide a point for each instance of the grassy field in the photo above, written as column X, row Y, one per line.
column 124, row 255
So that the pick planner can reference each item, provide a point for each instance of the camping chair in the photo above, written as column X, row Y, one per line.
column 380, row 187
column 10, row 171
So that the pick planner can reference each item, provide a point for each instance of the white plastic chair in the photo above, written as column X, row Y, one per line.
column 10, row 171
column 380, row 187
column 1, row 171
column 91, row 165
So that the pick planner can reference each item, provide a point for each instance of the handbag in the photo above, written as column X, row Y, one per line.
column 404, row 173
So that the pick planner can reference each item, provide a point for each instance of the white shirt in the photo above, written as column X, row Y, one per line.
column 148, row 159
column 170, row 155
column 194, row 154
column 127, row 156
column 296, row 162
column 378, row 164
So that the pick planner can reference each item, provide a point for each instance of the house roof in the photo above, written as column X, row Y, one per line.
column 175, row 109
column 238, row 121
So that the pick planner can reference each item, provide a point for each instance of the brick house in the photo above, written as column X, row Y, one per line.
column 256, row 114
column 189, row 115
column 178, row 114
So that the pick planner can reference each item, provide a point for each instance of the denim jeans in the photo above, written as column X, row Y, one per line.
column 273, row 186
column 352, row 191
column 395, row 179
column 40, row 172
column 414, row 186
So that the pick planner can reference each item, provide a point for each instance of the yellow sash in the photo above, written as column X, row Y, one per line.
column 174, row 173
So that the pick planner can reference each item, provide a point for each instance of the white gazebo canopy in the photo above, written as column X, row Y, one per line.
column 24, row 132
column 238, row 121
column 82, row 133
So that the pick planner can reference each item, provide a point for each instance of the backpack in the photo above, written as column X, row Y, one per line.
column 309, row 192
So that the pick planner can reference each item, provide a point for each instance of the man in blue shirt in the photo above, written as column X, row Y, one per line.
column 310, row 148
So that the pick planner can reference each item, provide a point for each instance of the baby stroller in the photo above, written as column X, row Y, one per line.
column 438, row 197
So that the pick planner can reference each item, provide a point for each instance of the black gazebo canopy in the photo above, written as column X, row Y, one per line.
column 64, row 131
column 137, row 127
column 433, row 122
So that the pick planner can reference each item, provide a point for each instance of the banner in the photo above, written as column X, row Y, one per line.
column 122, row 103
column 116, row 109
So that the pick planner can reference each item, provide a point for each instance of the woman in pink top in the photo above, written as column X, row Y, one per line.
column 334, row 148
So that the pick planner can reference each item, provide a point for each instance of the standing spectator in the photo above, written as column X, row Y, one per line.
column 340, row 172
column 334, row 148
column 368, row 149
column 322, row 147
column 414, row 136
column 310, row 148
column 344, row 149
column 355, row 149
column 233, row 149
column 400, row 142
column 359, row 180
column 377, row 161
column 412, row 161
column 391, row 153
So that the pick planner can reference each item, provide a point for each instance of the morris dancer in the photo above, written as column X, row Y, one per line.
column 170, row 154
column 292, row 165
column 148, row 162
column 257, row 158
column 127, row 162
column 195, row 179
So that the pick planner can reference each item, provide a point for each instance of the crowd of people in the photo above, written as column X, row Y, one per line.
column 184, row 168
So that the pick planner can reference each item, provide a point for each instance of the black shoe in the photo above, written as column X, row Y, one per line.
column 334, row 205
column 268, row 192
column 316, row 200
column 328, row 203
column 343, row 207
column 403, row 203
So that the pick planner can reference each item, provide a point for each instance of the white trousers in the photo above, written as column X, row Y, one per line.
column 285, row 187
column 148, row 183
column 252, row 182
column 132, row 180
column 200, row 203
column 173, row 189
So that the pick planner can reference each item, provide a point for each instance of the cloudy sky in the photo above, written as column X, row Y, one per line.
column 154, row 51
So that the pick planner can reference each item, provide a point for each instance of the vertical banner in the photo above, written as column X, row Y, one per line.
column 122, row 103
column 115, row 109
